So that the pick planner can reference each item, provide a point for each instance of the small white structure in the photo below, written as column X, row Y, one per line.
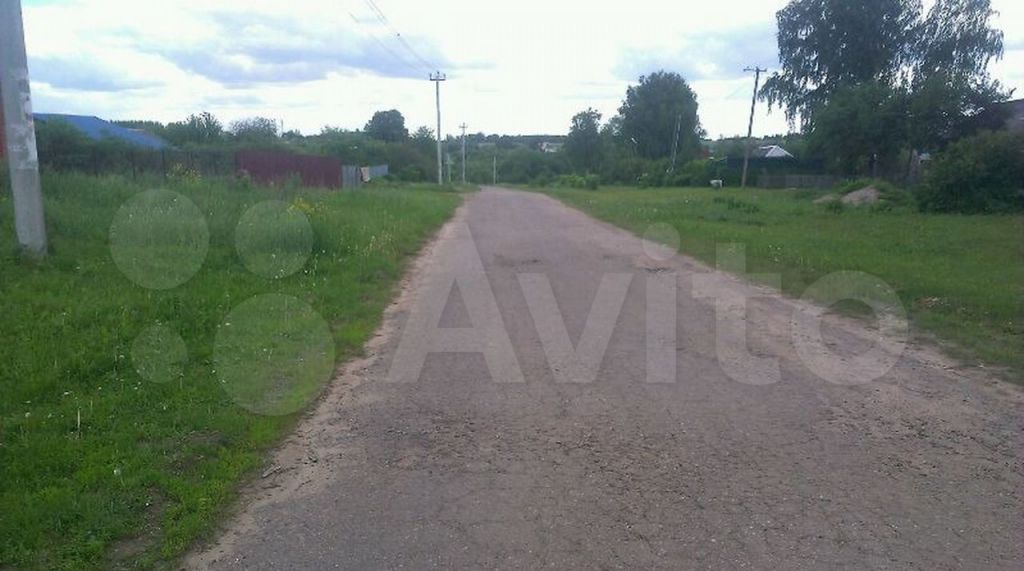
column 717, row 183
column 551, row 147
column 772, row 152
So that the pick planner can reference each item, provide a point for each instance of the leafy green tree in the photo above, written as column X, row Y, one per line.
column 983, row 173
column 387, row 126
column 197, row 129
column 254, row 129
column 584, row 145
column 61, row 146
column 840, row 58
column 410, row 162
column 649, row 115
column 951, row 87
column 827, row 45
column 423, row 139
column 424, row 133
column 350, row 147
column 861, row 129
column 957, row 40
column 524, row 165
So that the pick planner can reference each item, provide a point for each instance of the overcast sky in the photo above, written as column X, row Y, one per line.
column 516, row 67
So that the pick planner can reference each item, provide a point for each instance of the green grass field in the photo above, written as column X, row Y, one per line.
column 961, row 278
column 132, row 359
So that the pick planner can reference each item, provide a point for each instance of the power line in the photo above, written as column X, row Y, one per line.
column 385, row 47
column 387, row 23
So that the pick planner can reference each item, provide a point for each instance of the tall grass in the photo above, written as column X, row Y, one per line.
column 96, row 447
column 961, row 278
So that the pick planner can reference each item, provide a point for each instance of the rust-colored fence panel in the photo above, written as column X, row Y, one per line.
column 270, row 167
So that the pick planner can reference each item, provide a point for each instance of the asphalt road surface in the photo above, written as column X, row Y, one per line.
column 481, row 462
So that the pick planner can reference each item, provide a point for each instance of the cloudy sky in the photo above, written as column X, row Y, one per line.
column 518, row 67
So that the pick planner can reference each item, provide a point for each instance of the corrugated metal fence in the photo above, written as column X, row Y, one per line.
column 273, row 167
column 264, row 167
column 351, row 177
column 795, row 181
column 376, row 171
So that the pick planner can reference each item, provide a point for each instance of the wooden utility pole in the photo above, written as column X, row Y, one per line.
column 494, row 170
column 463, row 127
column 20, row 132
column 437, row 78
column 750, row 126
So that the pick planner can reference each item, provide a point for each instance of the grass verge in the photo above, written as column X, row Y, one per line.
column 961, row 278
column 120, row 442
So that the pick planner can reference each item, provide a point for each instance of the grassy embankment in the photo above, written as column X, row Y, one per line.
column 120, row 443
column 961, row 278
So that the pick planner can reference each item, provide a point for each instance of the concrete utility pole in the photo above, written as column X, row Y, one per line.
column 20, row 132
column 448, row 162
column 463, row 127
column 437, row 78
column 750, row 126
column 494, row 170
column 675, row 143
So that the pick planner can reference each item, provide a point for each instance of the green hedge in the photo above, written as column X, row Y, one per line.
column 978, row 174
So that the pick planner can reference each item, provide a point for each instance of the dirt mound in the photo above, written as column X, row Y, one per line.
column 826, row 198
column 866, row 195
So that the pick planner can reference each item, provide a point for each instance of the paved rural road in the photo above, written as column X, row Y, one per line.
column 920, row 469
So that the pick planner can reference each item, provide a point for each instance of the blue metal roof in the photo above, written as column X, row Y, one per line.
column 97, row 129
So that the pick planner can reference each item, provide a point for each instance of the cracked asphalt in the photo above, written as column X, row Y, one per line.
column 920, row 469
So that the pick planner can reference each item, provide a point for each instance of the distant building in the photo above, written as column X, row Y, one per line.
column 97, row 129
column 551, row 147
column 771, row 152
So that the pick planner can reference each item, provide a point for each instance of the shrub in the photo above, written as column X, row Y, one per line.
column 835, row 206
column 885, row 187
column 982, row 173
column 678, row 179
column 590, row 181
column 542, row 180
column 645, row 180
column 61, row 146
column 892, row 196
column 697, row 173
column 243, row 180
column 736, row 204
column 182, row 174
column 411, row 173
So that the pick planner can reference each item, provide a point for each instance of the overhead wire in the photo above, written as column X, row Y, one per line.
column 382, row 17
column 392, row 53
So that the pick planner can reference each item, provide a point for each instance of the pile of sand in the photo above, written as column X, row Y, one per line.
column 866, row 195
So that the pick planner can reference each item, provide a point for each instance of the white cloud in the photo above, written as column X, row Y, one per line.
column 513, row 67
